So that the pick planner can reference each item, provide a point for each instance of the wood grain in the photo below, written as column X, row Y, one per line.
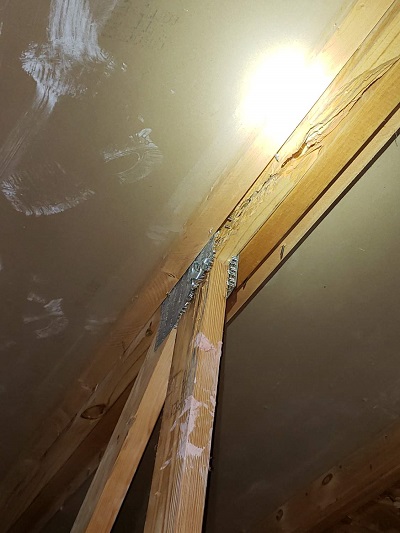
column 381, row 514
column 342, row 489
column 181, row 470
column 360, row 99
column 128, row 442
column 284, row 244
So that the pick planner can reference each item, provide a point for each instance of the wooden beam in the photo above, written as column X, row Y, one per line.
column 285, row 244
column 353, row 108
column 128, row 442
column 343, row 488
column 382, row 512
column 53, row 445
column 181, row 470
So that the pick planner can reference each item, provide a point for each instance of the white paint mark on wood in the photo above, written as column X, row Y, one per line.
column 185, row 447
column 193, row 451
column 144, row 157
column 204, row 344
column 166, row 463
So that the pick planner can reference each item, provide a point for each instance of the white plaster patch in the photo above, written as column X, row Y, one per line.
column 51, row 318
column 72, row 45
column 143, row 151
column 45, row 190
column 33, row 297
column 159, row 234
column 57, row 66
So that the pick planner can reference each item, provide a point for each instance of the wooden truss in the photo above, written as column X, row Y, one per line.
column 263, row 208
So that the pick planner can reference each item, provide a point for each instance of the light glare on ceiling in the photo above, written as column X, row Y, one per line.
column 280, row 90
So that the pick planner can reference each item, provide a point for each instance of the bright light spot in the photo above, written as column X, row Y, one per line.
column 280, row 90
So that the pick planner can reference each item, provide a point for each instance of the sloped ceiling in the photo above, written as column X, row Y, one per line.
column 117, row 118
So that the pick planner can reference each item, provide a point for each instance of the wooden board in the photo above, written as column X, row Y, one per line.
column 179, row 483
column 276, row 254
column 128, row 442
column 340, row 490
column 353, row 108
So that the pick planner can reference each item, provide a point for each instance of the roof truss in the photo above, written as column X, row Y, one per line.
column 340, row 135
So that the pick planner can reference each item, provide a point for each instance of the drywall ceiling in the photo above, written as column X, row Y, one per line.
column 117, row 118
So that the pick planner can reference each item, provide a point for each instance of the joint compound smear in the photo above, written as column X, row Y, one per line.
column 51, row 319
column 44, row 190
column 145, row 154
column 57, row 67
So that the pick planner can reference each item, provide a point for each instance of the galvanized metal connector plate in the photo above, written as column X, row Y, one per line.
column 182, row 294
column 232, row 275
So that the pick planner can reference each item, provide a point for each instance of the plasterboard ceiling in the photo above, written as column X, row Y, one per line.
column 117, row 118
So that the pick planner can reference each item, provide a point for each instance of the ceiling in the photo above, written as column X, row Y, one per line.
column 118, row 118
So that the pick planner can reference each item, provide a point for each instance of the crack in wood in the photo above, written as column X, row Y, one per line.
column 295, row 166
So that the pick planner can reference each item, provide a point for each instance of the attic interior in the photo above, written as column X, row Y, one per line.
column 143, row 145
